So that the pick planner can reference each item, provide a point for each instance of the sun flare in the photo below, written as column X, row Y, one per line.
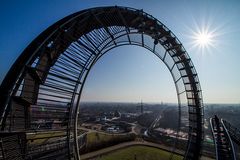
column 203, row 39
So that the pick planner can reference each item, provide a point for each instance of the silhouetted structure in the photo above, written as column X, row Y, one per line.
column 51, row 72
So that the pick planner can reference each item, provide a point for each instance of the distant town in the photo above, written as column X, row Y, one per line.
column 156, row 123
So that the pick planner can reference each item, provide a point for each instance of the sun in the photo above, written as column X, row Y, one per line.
column 204, row 34
column 203, row 39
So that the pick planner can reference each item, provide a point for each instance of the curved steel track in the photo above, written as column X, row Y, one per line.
column 51, row 71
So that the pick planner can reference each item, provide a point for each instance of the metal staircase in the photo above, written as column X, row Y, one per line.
column 223, row 144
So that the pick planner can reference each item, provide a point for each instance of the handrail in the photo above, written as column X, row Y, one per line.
column 230, row 140
column 215, row 144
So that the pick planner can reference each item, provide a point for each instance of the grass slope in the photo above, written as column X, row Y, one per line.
column 139, row 153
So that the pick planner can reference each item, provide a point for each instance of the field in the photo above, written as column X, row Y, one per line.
column 139, row 153
column 44, row 137
column 96, row 137
column 97, row 140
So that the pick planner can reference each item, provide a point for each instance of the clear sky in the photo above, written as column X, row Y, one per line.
column 133, row 73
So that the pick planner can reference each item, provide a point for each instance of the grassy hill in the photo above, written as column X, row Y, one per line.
column 139, row 153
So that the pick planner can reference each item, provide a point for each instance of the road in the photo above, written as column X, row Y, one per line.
column 155, row 123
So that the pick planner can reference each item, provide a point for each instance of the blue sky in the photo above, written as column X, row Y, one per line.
column 132, row 73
